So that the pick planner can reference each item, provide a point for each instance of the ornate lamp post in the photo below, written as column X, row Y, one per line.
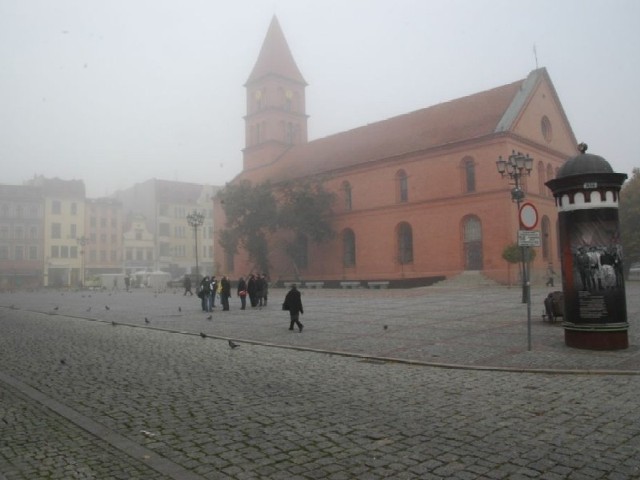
column 515, row 167
column 195, row 220
column 82, row 242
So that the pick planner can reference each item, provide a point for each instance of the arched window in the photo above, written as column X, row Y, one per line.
column 541, row 178
column 229, row 261
column 290, row 132
column 546, row 237
column 348, row 248
column 346, row 189
column 550, row 176
column 469, row 171
column 402, row 186
column 472, row 241
column 405, row 243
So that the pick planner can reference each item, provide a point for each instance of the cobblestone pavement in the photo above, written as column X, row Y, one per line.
column 103, row 394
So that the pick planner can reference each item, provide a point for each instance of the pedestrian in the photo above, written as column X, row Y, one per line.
column 259, row 289
column 251, row 290
column 204, row 292
column 214, row 290
column 127, row 282
column 225, row 292
column 265, row 289
column 550, row 275
column 293, row 303
column 242, row 293
column 187, row 285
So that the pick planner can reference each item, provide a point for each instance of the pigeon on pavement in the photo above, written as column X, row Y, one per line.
column 232, row 344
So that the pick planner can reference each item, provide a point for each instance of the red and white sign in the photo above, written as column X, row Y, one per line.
column 528, row 216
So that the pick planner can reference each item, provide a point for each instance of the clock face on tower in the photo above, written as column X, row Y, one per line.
column 288, row 94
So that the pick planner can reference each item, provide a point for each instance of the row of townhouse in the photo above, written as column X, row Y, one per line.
column 52, row 235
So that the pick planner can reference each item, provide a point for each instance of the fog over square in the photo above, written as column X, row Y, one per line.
column 117, row 92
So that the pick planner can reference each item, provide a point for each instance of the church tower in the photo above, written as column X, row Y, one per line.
column 276, row 115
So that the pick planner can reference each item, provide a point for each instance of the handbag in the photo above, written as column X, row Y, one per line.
column 285, row 306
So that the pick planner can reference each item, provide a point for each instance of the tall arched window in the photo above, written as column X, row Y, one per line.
column 472, row 241
column 346, row 189
column 546, row 237
column 405, row 243
column 541, row 178
column 403, row 186
column 469, row 171
column 550, row 176
column 348, row 248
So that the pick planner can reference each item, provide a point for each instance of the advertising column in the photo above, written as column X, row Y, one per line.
column 586, row 191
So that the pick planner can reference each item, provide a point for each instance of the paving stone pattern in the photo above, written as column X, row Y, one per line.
column 102, row 394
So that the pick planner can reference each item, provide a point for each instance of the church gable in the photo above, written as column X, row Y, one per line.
column 538, row 115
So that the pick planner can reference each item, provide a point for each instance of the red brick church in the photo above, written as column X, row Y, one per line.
column 418, row 195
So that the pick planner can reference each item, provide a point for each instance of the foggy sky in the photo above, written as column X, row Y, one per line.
column 116, row 92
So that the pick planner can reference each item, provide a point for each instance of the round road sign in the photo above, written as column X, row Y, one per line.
column 528, row 216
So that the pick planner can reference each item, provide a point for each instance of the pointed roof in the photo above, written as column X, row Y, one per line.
column 472, row 117
column 275, row 58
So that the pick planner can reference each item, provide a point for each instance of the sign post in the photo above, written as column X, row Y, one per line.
column 528, row 238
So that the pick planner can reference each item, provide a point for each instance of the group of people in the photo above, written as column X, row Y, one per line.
column 209, row 289
column 256, row 288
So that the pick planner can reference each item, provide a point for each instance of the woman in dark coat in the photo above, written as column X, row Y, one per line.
column 252, row 289
column 225, row 292
column 293, row 303
column 242, row 293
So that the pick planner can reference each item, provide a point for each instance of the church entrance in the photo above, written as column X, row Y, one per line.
column 472, row 235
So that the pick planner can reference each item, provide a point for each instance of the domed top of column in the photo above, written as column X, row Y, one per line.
column 584, row 163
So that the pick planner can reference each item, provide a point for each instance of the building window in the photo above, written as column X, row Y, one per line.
column 546, row 237
column 4, row 252
column 549, row 177
column 19, row 251
column 541, row 179
column 469, row 169
column 64, row 251
column 229, row 261
column 348, row 248
column 290, row 133
column 73, row 230
column 405, row 243
column 164, row 229
column 346, row 188
column 56, row 207
column 74, row 208
column 402, row 186
column 33, row 253
column 56, row 230
column 545, row 127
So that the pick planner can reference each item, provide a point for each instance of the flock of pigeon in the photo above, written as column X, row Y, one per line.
column 147, row 321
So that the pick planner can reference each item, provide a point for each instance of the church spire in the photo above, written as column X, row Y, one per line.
column 275, row 58
column 276, row 107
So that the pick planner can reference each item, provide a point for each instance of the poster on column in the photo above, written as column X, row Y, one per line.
column 594, row 286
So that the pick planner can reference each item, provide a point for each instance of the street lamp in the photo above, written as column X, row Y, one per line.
column 515, row 167
column 82, row 242
column 195, row 220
